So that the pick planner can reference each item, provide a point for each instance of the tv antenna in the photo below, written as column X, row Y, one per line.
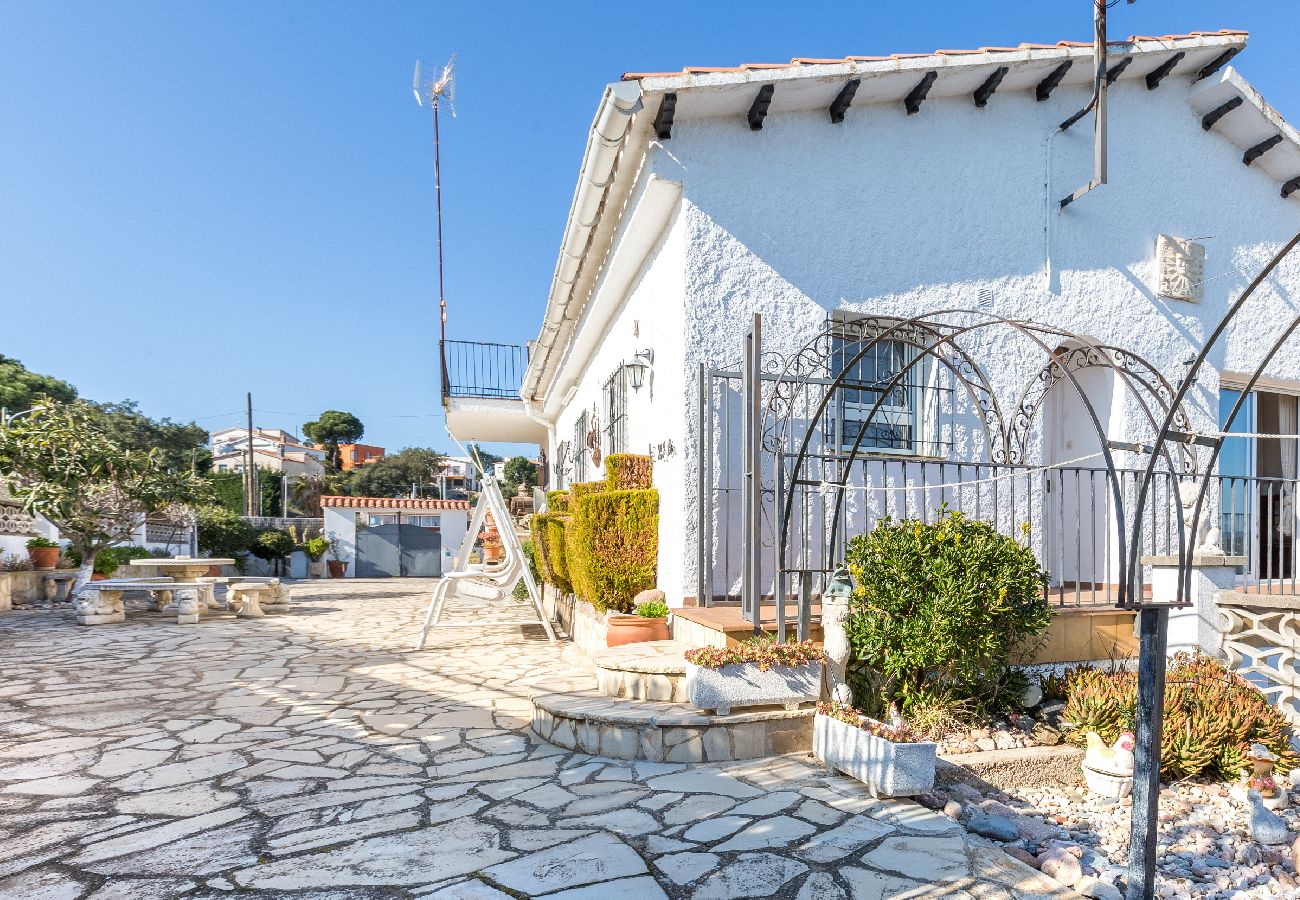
column 434, row 86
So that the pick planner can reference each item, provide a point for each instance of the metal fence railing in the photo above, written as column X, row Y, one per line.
column 481, row 369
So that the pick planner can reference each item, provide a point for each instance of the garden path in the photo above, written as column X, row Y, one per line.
column 315, row 755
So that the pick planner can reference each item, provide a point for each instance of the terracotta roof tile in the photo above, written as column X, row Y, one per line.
column 393, row 503
column 812, row 61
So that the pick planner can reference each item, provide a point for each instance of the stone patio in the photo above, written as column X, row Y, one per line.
column 316, row 755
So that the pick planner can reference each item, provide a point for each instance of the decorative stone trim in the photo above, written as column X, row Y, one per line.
column 650, row 670
column 590, row 722
column 14, row 521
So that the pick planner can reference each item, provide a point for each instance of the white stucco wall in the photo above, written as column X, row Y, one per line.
column 648, row 316
column 901, row 215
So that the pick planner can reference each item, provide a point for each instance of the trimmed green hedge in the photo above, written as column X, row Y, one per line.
column 600, row 541
column 614, row 547
column 629, row 472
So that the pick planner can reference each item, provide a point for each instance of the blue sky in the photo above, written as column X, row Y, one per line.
column 202, row 199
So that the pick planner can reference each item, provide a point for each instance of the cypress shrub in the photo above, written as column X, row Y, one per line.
column 557, row 501
column 557, row 528
column 537, row 528
column 629, row 472
column 613, row 546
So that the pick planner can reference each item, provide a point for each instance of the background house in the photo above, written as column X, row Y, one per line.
column 273, row 449
column 386, row 537
column 353, row 455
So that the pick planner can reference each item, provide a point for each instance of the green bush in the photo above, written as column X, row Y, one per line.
column 223, row 533
column 271, row 544
column 316, row 547
column 652, row 609
column 629, row 472
column 108, row 561
column 41, row 543
column 613, row 546
column 1211, row 716
column 557, row 551
column 939, row 609
column 557, row 501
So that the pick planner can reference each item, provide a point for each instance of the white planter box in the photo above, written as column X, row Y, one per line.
column 886, row 768
column 746, row 685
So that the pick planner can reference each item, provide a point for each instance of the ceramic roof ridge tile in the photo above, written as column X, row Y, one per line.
column 818, row 61
column 393, row 503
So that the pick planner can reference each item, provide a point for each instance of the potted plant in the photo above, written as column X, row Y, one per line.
column 493, row 549
column 649, row 622
column 891, row 760
column 43, row 552
column 315, row 548
column 755, row 673
column 338, row 566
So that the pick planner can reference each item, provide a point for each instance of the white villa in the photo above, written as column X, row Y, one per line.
column 273, row 448
column 820, row 191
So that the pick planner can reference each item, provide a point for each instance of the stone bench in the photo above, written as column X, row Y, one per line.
column 102, row 603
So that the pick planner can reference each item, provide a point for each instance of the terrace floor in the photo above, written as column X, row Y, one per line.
column 316, row 755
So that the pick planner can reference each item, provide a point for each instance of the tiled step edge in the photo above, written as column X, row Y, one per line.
column 591, row 722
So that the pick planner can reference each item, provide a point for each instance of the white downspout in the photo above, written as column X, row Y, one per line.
column 621, row 101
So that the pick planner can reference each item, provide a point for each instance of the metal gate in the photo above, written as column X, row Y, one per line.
column 409, row 551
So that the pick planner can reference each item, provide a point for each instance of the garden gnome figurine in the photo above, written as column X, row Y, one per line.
column 835, row 643
column 1262, row 761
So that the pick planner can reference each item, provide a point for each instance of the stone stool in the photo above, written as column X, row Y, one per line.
column 246, row 598
column 99, row 606
column 277, row 599
column 61, row 582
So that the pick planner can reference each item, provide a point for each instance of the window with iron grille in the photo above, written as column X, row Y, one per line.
column 615, row 395
column 900, row 424
column 580, row 448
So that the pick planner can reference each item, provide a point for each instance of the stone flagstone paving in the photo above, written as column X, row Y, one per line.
column 316, row 755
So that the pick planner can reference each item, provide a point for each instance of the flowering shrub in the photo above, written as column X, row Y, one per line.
column 764, row 654
column 939, row 608
column 896, row 734
column 1211, row 718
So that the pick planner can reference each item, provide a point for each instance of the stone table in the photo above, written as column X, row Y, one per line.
column 186, row 568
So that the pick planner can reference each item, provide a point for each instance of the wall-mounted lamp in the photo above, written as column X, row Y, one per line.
column 636, row 369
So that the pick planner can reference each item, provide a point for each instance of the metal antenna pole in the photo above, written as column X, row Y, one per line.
column 437, row 195
column 248, row 467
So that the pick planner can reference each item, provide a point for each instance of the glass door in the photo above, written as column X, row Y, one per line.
column 1237, row 498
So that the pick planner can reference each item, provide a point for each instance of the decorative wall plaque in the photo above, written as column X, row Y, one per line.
column 1182, row 268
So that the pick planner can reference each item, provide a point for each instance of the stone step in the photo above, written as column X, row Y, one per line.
column 649, row 670
column 591, row 722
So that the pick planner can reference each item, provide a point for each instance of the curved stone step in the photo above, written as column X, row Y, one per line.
column 650, row 670
column 591, row 722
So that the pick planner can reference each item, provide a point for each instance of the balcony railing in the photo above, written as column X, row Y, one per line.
column 479, row 369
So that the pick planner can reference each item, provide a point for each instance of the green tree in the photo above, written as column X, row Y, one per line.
column 179, row 445
column 518, row 470
column 60, row 463
column 393, row 475
column 20, row 387
column 334, row 428
column 223, row 532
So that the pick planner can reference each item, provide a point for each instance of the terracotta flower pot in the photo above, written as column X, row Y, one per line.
column 634, row 630
column 44, row 558
column 337, row 568
column 214, row 571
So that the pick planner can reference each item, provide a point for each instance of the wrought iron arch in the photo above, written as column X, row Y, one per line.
column 1129, row 365
column 1166, row 436
column 808, row 365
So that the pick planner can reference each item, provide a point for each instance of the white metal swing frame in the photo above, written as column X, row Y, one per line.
column 489, row 500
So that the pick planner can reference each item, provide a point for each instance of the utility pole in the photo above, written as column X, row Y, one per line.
column 249, row 477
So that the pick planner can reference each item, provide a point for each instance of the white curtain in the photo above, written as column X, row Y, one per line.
column 1286, row 424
